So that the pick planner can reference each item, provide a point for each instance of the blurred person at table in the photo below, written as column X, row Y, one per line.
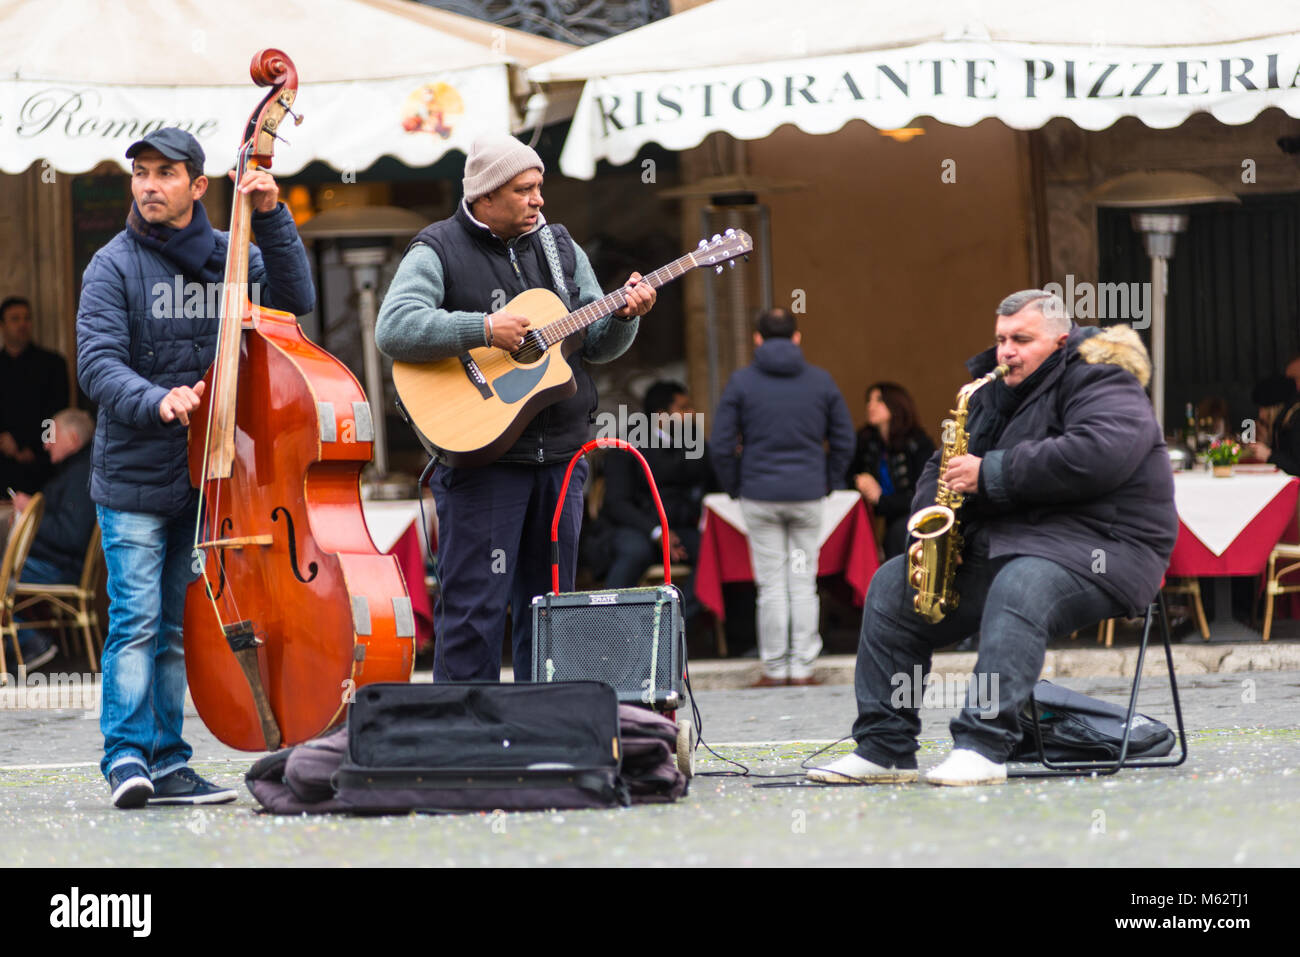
column 1068, row 519
column 891, row 451
column 682, row 475
column 1278, row 436
column 59, row 549
column 781, row 441
column 1292, row 370
column 33, row 386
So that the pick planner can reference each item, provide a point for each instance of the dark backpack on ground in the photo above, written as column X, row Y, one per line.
column 650, row 768
column 1076, row 727
column 475, row 747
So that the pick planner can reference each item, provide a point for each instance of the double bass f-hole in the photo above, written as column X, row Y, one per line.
column 226, row 525
column 293, row 546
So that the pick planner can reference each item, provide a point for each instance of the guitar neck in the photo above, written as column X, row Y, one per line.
column 580, row 319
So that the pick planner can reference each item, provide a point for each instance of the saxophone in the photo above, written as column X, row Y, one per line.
column 932, row 558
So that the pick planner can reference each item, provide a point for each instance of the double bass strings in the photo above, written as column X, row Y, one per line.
column 209, row 508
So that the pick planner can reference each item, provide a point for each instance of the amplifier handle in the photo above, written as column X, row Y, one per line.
column 608, row 443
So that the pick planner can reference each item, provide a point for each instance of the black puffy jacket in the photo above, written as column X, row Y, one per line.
column 1080, row 474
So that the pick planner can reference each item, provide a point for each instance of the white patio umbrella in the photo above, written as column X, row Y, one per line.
column 81, row 80
column 745, row 67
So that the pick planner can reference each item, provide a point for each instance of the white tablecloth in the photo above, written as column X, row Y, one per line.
column 1217, row 510
column 834, row 507
column 389, row 520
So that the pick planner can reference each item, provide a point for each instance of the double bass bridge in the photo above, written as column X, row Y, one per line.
column 241, row 542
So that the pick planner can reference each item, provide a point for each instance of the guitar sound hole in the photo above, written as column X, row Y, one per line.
column 530, row 351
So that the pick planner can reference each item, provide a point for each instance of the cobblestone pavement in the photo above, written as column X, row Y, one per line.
column 1235, row 802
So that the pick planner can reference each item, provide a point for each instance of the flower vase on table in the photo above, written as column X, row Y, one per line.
column 1223, row 454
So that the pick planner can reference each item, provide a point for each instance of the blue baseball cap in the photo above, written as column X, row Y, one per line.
column 172, row 142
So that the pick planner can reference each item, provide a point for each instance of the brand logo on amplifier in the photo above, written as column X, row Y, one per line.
column 609, row 599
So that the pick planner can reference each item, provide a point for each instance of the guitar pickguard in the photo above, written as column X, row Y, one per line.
column 517, row 383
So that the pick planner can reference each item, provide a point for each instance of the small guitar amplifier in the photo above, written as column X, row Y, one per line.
column 633, row 639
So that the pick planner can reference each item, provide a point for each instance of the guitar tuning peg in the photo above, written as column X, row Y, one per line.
column 718, row 269
column 703, row 243
column 729, row 232
column 716, row 238
column 731, row 263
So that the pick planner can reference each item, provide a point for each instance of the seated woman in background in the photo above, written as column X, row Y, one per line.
column 891, row 452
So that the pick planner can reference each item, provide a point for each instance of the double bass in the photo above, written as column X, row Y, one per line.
column 294, row 607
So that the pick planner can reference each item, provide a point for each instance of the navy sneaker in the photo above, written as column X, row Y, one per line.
column 184, row 786
column 131, row 787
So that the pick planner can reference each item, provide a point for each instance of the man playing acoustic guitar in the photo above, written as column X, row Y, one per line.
column 494, row 521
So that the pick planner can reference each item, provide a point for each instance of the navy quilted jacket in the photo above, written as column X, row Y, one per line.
column 790, row 423
column 133, row 348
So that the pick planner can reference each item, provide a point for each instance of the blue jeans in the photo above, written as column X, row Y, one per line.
column 1016, row 605
column 149, row 560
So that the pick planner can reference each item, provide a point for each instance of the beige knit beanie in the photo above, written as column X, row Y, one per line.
column 494, row 160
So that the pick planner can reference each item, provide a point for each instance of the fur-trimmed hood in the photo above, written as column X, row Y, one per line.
column 1117, row 346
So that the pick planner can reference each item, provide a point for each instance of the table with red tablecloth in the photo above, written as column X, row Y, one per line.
column 395, row 530
column 1227, row 527
column 848, row 548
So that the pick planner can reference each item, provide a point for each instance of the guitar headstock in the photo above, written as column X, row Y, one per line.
column 273, row 68
column 726, row 247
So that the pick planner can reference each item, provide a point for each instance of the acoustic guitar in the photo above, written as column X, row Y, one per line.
column 474, row 406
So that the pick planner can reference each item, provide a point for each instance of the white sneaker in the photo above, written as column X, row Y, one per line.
column 964, row 767
column 853, row 769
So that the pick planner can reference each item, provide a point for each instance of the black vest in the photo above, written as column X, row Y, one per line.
column 479, row 276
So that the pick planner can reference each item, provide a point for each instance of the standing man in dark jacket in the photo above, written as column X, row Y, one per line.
column 1069, row 519
column 494, row 521
column 59, row 549
column 142, row 347
column 33, row 386
column 776, row 419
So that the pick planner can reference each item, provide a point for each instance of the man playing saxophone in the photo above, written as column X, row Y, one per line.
column 1068, row 519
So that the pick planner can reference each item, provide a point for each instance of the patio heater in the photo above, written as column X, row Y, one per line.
column 733, row 299
column 365, row 237
column 1159, row 200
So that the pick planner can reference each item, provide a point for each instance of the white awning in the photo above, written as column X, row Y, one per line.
column 745, row 67
column 82, row 80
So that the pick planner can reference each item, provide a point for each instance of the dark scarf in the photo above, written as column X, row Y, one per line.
column 193, row 249
column 999, row 402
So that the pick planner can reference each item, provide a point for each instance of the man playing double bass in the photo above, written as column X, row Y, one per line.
column 141, row 351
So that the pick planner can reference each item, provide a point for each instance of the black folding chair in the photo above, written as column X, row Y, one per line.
column 1052, row 769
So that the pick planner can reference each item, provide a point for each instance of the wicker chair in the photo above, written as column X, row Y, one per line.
column 73, row 606
column 20, row 543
